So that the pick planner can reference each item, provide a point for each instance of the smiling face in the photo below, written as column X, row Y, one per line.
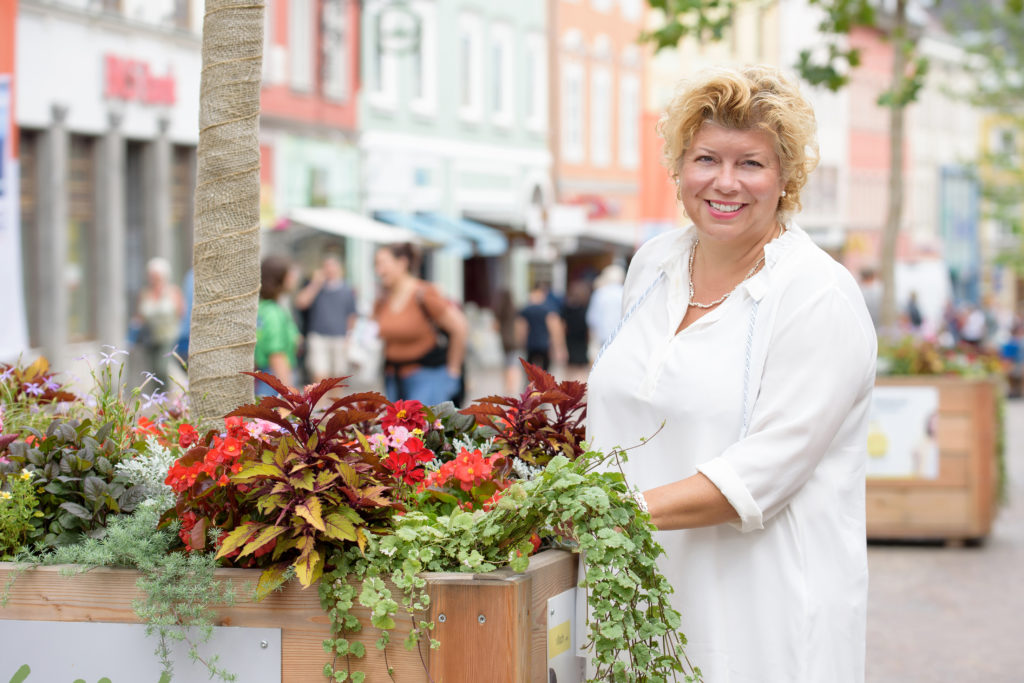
column 730, row 182
column 388, row 267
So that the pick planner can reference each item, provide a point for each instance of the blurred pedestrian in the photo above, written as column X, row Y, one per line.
column 158, row 318
column 277, row 336
column 913, row 313
column 424, row 334
column 539, row 329
column 605, row 308
column 505, row 315
column 330, row 308
column 188, row 293
column 577, row 335
column 871, row 289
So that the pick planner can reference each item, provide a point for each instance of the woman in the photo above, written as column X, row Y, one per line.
column 411, row 315
column 277, row 336
column 160, row 309
column 747, row 353
column 577, row 337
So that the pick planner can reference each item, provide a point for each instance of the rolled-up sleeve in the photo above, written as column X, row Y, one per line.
column 820, row 361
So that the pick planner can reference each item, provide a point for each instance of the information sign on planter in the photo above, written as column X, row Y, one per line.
column 901, row 435
column 123, row 653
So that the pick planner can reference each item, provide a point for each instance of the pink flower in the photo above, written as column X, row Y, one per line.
column 398, row 436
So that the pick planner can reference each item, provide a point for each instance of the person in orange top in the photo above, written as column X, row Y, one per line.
column 412, row 315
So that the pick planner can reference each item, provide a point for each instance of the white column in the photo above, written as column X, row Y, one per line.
column 111, row 314
column 52, row 254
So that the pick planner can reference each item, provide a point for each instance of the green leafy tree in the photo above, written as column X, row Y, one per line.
column 830, row 67
column 995, row 45
column 226, row 255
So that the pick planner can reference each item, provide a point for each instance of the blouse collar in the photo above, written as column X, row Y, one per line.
column 757, row 286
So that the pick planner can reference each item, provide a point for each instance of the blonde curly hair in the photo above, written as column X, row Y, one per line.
column 748, row 98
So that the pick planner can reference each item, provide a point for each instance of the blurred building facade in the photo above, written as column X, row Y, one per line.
column 107, row 118
column 517, row 140
column 453, row 133
column 598, row 81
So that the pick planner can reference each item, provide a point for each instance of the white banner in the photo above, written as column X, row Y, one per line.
column 13, row 336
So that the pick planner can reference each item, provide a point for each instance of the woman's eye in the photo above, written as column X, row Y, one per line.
column 703, row 158
column 754, row 163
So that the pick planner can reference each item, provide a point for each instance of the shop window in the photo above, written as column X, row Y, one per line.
column 601, row 106
column 470, row 67
column 629, row 121
column 501, row 78
column 536, row 92
column 572, row 111
column 334, row 61
column 300, row 45
column 424, row 60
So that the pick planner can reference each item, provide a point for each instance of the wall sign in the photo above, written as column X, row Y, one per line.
column 131, row 80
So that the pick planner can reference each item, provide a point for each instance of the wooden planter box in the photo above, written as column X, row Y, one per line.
column 959, row 504
column 494, row 627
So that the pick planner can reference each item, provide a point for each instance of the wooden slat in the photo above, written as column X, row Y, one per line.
column 504, row 649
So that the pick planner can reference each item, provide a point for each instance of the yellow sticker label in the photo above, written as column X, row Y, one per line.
column 558, row 639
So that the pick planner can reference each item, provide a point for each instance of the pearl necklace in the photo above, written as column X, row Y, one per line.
column 725, row 296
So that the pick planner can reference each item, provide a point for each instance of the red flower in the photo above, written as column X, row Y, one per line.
column 408, row 414
column 187, row 435
column 415, row 448
column 236, row 428
column 404, row 466
column 471, row 468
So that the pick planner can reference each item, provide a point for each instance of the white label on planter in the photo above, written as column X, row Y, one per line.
column 901, row 434
column 563, row 664
column 93, row 652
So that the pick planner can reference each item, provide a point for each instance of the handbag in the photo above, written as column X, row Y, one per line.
column 438, row 355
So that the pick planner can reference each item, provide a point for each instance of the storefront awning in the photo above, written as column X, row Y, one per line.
column 487, row 240
column 345, row 223
column 429, row 231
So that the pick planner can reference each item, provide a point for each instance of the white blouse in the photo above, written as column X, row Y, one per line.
column 768, row 396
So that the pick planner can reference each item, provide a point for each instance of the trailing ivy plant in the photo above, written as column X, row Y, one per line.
column 633, row 629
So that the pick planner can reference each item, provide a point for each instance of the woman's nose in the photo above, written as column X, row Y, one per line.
column 725, row 179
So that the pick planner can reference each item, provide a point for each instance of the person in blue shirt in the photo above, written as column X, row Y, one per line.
column 540, row 330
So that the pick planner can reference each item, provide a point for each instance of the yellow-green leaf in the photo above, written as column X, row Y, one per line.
column 325, row 478
column 311, row 511
column 267, row 504
column 348, row 475
column 284, row 545
column 361, row 540
column 339, row 528
column 363, row 442
column 303, row 481
column 262, row 538
column 270, row 579
column 309, row 566
column 256, row 471
column 237, row 536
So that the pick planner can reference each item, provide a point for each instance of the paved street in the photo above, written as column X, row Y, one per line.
column 954, row 614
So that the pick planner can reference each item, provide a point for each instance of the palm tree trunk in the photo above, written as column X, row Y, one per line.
column 894, row 213
column 226, row 252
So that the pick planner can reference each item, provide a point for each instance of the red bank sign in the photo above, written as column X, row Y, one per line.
column 130, row 79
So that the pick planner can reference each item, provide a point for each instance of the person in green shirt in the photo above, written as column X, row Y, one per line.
column 277, row 336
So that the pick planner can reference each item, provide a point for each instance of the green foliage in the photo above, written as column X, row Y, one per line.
column 699, row 19
column 180, row 589
column 29, row 396
column 634, row 629
column 18, row 507
column 72, row 464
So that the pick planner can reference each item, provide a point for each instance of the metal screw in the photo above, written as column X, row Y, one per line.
column 481, row 619
column 442, row 618
column 264, row 644
column 551, row 613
